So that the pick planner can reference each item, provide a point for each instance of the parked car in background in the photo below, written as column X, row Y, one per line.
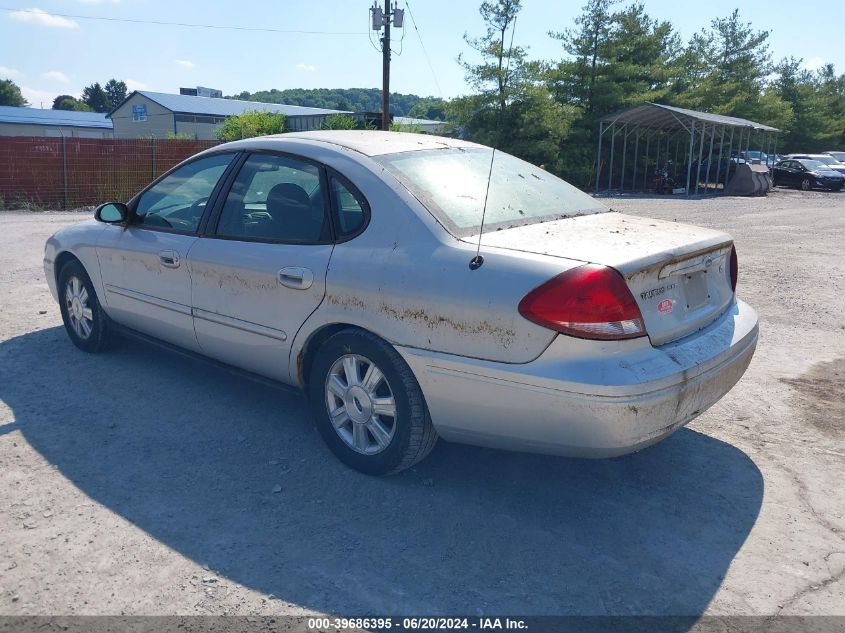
column 754, row 155
column 826, row 159
column 840, row 156
column 766, row 159
column 343, row 263
column 806, row 174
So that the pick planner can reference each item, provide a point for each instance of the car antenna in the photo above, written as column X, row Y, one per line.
column 476, row 262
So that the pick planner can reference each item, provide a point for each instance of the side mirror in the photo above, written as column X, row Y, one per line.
column 112, row 213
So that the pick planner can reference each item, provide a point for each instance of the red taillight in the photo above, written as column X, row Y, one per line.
column 734, row 268
column 588, row 301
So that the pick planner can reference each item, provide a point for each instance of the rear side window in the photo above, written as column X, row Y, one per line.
column 349, row 207
column 277, row 199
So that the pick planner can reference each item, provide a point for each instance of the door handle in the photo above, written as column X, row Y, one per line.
column 296, row 277
column 170, row 259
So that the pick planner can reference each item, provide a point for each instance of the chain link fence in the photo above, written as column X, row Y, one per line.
column 66, row 173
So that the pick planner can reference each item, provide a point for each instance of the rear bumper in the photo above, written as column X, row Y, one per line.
column 587, row 398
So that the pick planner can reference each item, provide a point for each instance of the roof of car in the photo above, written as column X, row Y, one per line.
column 372, row 142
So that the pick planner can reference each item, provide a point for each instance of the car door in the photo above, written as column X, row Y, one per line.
column 143, row 265
column 786, row 175
column 797, row 173
column 262, row 269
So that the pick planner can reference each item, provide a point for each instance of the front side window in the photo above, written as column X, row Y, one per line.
column 278, row 199
column 452, row 184
column 178, row 201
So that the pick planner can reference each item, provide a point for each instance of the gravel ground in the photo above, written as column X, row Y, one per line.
column 142, row 482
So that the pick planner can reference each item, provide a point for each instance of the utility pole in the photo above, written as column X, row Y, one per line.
column 383, row 19
column 385, row 70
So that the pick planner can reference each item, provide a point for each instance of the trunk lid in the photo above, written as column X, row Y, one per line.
column 679, row 274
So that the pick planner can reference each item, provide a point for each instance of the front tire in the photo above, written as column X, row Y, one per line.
column 85, row 321
column 367, row 404
column 806, row 184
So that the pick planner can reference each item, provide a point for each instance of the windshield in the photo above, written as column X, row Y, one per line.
column 812, row 165
column 827, row 160
column 452, row 183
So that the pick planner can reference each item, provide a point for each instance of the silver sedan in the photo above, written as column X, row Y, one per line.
column 417, row 287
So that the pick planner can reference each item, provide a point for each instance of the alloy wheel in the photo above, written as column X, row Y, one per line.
column 79, row 310
column 360, row 404
column 805, row 184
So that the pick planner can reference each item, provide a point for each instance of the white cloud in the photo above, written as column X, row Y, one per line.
column 814, row 63
column 186, row 63
column 56, row 75
column 38, row 98
column 308, row 67
column 42, row 18
column 132, row 84
column 9, row 73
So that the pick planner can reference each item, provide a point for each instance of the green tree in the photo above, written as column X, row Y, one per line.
column 115, row 91
column 612, row 59
column 67, row 102
column 341, row 122
column 724, row 68
column 96, row 98
column 432, row 109
column 816, row 101
column 251, row 123
column 347, row 99
column 535, row 126
column 511, row 108
column 502, row 67
column 10, row 94
column 585, row 48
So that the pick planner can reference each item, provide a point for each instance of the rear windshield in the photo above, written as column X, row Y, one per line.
column 452, row 184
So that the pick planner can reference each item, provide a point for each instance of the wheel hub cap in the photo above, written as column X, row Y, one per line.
column 76, row 307
column 360, row 404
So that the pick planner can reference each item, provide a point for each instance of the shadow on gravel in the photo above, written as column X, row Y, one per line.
column 191, row 455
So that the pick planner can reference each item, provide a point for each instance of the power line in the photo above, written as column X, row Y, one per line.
column 425, row 52
column 183, row 24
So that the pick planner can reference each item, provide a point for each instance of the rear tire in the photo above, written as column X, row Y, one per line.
column 367, row 404
column 85, row 321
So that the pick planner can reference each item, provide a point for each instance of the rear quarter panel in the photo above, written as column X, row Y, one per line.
column 407, row 280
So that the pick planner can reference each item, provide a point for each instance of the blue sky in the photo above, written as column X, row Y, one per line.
column 49, row 55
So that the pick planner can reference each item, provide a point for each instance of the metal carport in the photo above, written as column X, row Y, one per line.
column 667, row 132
